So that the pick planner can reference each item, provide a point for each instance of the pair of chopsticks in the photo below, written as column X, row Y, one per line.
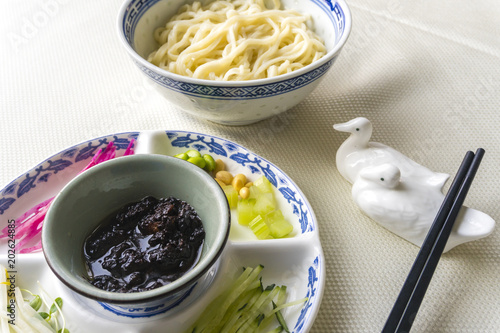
column 412, row 293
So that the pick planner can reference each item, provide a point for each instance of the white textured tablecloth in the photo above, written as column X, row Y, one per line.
column 426, row 73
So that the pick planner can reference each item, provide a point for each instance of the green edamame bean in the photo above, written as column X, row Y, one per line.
column 210, row 162
column 197, row 160
column 182, row 156
column 193, row 153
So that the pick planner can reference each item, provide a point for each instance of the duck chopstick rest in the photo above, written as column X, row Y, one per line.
column 397, row 192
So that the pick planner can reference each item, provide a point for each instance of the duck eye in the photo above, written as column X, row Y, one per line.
column 357, row 129
column 382, row 179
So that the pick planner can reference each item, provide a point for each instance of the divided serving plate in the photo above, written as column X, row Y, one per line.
column 296, row 262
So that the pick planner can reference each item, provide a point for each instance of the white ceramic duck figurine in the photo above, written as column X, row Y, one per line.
column 397, row 192
column 408, row 209
column 357, row 152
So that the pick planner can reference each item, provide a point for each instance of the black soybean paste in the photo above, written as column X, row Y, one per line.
column 145, row 245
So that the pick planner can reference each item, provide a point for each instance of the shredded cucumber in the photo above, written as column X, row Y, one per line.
column 280, row 318
column 251, row 319
column 280, row 300
column 245, row 307
column 231, row 318
column 215, row 312
column 278, row 329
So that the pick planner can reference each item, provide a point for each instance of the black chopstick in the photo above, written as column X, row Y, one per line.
column 412, row 293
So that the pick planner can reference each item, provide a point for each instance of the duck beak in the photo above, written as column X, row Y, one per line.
column 351, row 125
column 345, row 127
column 341, row 127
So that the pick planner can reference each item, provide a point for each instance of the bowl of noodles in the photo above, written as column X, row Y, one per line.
column 234, row 62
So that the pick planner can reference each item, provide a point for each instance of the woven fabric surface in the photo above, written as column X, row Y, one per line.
column 426, row 73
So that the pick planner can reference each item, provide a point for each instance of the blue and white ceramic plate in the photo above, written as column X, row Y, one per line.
column 296, row 262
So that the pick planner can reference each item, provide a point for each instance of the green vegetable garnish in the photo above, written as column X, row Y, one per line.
column 264, row 185
column 264, row 217
column 36, row 302
column 278, row 226
column 264, row 204
column 210, row 162
column 245, row 211
column 246, row 306
column 206, row 161
column 198, row 161
column 193, row 153
column 54, row 307
column 182, row 156
column 44, row 315
column 231, row 195
column 31, row 315
column 259, row 227
column 258, row 210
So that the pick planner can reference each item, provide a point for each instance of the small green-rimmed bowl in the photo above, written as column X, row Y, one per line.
column 90, row 197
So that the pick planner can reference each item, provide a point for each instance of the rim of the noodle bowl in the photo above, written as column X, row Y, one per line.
column 283, row 77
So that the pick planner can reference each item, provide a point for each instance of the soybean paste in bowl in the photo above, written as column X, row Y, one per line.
column 144, row 245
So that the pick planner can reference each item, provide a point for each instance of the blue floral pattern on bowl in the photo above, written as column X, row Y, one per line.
column 241, row 93
column 146, row 311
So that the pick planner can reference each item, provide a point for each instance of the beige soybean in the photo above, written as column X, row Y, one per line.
column 244, row 192
column 224, row 177
column 237, row 183
column 242, row 177
column 219, row 166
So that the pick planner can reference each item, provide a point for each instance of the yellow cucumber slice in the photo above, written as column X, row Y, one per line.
column 245, row 211
column 259, row 227
column 254, row 192
column 263, row 184
column 231, row 195
column 279, row 227
column 264, row 204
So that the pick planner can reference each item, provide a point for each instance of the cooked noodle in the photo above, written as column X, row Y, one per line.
column 235, row 40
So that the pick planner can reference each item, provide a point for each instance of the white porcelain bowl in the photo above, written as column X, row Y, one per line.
column 236, row 102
